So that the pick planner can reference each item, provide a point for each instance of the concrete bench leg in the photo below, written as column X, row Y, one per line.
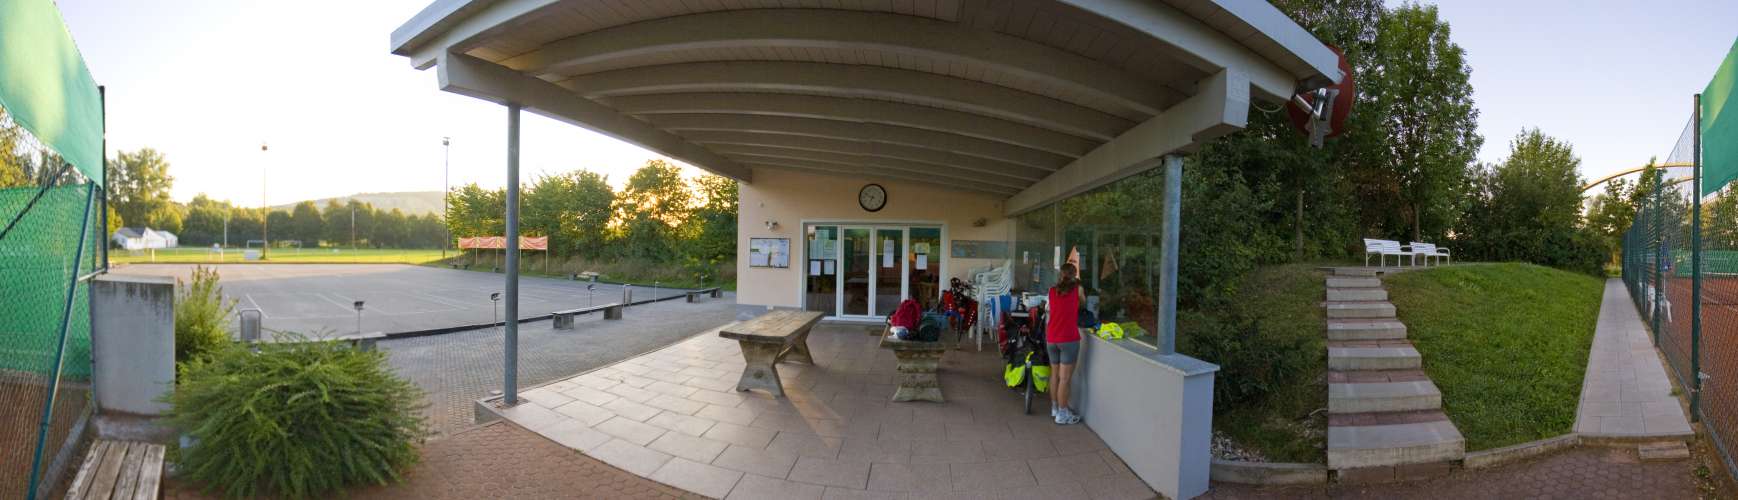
column 799, row 350
column 564, row 322
column 917, row 376
column 612, row 313
column 691, row 297
column 760, row 372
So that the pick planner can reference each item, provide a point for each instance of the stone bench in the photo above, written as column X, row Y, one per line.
column 918, row 361
column 564, row 319
column 766, row 340
column 120, row 470
column 715, row 292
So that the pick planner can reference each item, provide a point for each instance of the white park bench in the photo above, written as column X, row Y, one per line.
column 1383, row 248
column 1431, row 251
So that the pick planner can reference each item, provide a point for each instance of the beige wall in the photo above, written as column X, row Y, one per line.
column 790, row 198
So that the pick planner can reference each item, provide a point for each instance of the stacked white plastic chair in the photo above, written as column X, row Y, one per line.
column 990, row 284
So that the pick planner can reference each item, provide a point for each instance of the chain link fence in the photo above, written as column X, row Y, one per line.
column 1683, row 275
column 51, row 238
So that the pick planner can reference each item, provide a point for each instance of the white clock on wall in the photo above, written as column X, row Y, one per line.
column 872, row 197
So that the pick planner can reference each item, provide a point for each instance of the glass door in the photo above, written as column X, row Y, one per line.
column 889, row 273
column 821, row 281
column 856, row 269
column 923, row 275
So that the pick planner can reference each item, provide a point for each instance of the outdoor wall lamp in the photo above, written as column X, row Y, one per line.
column 771, row 224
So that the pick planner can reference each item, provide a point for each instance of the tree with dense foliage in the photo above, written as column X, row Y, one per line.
column 1528, row 208
column 138, row 184
column 712, row 225
column 651, row 206
column 573, row 209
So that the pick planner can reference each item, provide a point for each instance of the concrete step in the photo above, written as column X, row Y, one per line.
column 1357, row 294
column 1355, row 272
column 1373, row 358
column 1356, row 446
column 1660, row 452
column 1365, row 329
column 1338, row 282
column 1383, row 396
column 1359, row 310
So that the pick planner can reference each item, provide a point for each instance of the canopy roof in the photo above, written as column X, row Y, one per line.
column 1032, row 100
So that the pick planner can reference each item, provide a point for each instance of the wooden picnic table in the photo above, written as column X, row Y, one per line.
column 768, row 339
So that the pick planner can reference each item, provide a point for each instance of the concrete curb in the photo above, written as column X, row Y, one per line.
column 1509, row 454
column 1267, row 473
column 461, row 328
column 1625, row 440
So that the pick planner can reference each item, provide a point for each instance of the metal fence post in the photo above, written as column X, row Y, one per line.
column 1696, row 263
column 60, row 349
column 1657, row 223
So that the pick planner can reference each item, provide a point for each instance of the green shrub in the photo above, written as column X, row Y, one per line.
column 201, row 315
column 294, row 419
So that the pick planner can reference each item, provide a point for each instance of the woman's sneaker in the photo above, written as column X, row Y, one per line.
column 1067, row 417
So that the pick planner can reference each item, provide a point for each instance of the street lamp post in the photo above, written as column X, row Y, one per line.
column 265, row 207
column 446, row 190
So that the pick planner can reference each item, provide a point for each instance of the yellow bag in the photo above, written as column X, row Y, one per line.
column 1110, row 331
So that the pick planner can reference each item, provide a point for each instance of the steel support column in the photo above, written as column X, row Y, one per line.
column 510, row 381
column 1168, row 263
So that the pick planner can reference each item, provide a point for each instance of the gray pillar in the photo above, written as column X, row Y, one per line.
column 510, row 393
column 1168, row 258
column 132, row 342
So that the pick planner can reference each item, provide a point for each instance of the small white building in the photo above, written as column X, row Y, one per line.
column 141, row 238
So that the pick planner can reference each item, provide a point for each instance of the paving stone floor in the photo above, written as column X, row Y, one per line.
column 1580, row 473
column 673, row 416
column 1626, row 391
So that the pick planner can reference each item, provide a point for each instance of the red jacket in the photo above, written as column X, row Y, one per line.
column 907, row 315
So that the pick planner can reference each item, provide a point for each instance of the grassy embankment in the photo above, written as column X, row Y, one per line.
column 1506, row 343
column 1272, row 341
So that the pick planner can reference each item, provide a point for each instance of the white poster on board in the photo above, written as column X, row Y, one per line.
column 814, row 268
column 831, row 269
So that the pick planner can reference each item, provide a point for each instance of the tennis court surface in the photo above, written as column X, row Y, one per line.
column 318, row 299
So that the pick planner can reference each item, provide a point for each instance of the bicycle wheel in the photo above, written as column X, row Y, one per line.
column 1028, row 385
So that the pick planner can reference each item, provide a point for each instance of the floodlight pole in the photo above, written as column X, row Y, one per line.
column 265, row 219
column 446, row 190
column 510, row 394
column 1173, row 224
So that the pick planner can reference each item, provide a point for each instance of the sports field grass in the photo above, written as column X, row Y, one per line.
column 195, row 255
column 1506, row 343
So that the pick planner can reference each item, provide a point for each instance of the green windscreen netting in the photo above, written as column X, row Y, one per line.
column 46, row 87
column 1720, row 125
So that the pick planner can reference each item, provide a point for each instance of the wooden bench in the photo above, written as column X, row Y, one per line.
column 715, row 292
column 564, row 319
column 128, row 470
column 768, row 339
column 918, row 362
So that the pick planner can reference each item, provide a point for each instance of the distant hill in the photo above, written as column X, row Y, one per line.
column 411, row 202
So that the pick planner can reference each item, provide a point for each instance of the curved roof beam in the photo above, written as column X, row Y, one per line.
column 886, row 165
column 857, row 110
column 894, row 34
column 869, row 82
column 859, row 172
column 871, row 132
column 998, row 178
column 852, row 146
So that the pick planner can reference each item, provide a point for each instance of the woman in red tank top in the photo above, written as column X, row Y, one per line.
column 1062, row 340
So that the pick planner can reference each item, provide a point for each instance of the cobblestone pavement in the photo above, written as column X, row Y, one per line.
column 1581, row 473
column 499, row 460
column 456, row 369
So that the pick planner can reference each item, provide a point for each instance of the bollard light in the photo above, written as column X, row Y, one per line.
column 359, row 317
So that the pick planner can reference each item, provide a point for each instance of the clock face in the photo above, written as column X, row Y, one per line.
column 872, row 197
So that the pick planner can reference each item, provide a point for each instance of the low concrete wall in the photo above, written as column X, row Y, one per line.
column 1156, row 412
column 1269, row 474
column 132, row 342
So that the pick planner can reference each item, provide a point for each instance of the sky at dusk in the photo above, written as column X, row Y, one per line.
column 206, row 81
